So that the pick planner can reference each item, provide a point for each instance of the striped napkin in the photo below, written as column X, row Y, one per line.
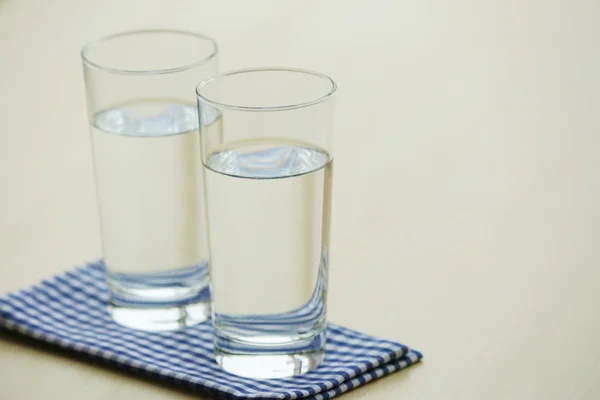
column 69, row 311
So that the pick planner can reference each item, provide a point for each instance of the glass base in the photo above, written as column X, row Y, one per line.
column 269, row 356
column 160, row 301
column 160, row 318
column 269, row 366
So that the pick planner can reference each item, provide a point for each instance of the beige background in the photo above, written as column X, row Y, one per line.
column 466, row 218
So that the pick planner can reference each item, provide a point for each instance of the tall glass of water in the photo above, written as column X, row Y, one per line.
column 145, row 142
column 266, row 150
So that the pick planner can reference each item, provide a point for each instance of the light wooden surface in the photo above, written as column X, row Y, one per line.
column 466, row 192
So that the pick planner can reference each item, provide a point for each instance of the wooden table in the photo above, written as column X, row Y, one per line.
column 467, row 184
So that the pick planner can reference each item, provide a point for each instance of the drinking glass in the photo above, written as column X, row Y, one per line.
column 146, row 148
column 267, row 156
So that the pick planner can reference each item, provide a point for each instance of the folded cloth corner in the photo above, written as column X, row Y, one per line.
column 69, row 311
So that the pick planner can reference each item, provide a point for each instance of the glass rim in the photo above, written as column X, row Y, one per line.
column 304, row 104
column 102, row 39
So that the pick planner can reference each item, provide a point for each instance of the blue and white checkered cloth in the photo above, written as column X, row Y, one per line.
column 69, row 311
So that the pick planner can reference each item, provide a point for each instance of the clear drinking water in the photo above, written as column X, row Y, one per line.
column 268, row 179
column 148, row 175
column 146, row 146
column 268, row 206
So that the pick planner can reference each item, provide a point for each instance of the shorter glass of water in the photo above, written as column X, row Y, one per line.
column 267, row 156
